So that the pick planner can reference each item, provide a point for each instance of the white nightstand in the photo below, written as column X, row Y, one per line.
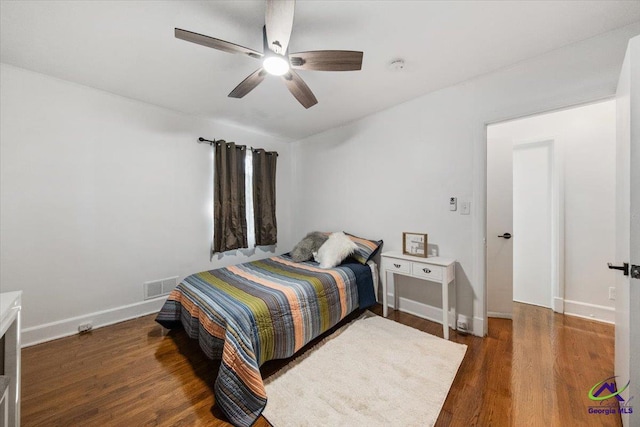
column 10, row 306
column 435, row 269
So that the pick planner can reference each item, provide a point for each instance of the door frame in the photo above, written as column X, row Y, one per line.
column 479, row 227
column 556, row 253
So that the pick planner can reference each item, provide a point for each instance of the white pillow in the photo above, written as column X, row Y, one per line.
column 335, row 250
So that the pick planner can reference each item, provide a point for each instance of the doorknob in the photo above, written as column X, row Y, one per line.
column 624, row 267
column 506, row 236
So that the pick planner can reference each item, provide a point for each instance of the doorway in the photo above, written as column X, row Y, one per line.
column 551, row 187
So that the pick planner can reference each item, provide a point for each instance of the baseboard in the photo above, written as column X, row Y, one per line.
column 431, row 313
column 558, row 305
column 478, row 327
column 66, row 327
column 531, row 303
column 499, row 315
column 585, row 310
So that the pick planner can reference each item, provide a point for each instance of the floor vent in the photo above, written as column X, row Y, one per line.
column 158, row 288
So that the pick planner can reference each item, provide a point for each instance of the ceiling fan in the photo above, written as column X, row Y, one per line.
column 276, row 58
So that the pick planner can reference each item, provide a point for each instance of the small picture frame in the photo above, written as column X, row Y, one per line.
column 414, row 244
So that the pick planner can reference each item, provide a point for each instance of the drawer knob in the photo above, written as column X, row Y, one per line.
column 396, row 265
column 426, row 270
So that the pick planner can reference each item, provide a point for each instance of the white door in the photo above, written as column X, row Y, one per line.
column 627, row 350
column 499, row 222
column 532, row 213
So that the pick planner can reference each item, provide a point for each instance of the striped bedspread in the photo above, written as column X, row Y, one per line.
column 250, row 313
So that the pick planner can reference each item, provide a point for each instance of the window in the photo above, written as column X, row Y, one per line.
column 244, row 197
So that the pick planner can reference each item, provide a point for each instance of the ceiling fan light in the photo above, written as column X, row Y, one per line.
column 276, row 65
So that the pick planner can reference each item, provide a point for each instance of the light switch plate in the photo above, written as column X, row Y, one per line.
column 453, row 203
column 465, row 208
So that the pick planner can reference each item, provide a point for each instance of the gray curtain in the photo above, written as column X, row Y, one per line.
column 229, row 222
column 264, row 197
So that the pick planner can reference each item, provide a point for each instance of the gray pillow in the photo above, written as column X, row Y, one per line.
column 304, row 250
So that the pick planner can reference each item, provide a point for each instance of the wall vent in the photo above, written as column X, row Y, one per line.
column 158, row 288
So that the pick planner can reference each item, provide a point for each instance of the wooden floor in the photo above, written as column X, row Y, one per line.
column 533, row 371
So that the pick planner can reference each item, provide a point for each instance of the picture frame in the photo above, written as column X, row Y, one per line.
column 414, row 244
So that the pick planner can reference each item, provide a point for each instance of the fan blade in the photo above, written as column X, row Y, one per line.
column 248, row 84
column 327, row 60
column 279, row 22
column 215, row 43
column 299, row 89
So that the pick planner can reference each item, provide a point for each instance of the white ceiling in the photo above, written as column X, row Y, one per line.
column 128, row 48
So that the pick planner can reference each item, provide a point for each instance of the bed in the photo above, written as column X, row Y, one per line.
column 251, row 313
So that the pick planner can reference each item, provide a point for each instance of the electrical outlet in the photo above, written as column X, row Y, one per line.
column 612, row 293
column 85, row 327
column 453, row 203
column 462, row 324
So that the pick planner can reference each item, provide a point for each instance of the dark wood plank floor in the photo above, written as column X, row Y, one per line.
column 533, row 371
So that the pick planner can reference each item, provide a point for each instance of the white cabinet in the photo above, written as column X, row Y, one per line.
column 435, row 269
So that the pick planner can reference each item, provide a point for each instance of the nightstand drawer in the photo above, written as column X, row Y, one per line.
column 398, row 265
column 429, row 272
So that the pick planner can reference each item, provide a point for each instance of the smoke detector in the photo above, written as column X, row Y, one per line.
column 396, row 65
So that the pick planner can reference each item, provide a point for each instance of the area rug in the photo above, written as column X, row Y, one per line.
column 372, row 372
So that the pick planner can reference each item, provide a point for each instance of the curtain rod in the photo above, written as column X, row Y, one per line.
column 202, row 140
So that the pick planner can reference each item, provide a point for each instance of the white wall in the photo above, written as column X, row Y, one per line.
column 585, row 139
column 394, row 171
column 101, row 193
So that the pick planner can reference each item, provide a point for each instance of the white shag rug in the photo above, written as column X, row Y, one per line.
column 373, row 372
